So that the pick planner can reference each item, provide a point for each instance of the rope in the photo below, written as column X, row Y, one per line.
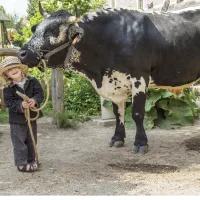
column 34, row 109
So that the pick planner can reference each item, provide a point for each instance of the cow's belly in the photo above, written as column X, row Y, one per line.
column 115, row 87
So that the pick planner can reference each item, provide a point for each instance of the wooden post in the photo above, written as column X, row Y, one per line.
column 113, row 3
column 2, row 104
column 53, row 80
column 140, row 4
column 57, row 92
column 2, row 35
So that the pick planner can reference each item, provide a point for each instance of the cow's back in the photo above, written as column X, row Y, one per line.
column 176, row 49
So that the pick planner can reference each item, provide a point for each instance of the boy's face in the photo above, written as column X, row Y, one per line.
column 14, row 73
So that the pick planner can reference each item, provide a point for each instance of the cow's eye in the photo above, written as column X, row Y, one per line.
column 54, row 32
column 33, row 28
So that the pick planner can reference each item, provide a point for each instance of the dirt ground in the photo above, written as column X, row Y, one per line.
column 79, row 162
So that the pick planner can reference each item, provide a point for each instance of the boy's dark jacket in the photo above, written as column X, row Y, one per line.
column 32, row 89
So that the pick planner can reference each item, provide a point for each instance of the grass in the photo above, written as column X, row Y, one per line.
column 4, row 117
column 1, row 133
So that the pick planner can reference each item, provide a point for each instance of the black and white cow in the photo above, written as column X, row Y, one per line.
column 121, row 52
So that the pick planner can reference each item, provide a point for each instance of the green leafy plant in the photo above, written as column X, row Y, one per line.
column 4, row 116
column 69, row 119
column 164, row 109
column 1, row 133
column 80, row 97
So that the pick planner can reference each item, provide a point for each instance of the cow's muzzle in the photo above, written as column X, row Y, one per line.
column 28, row 57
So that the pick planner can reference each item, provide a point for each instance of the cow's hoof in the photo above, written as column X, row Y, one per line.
column 140, row 149
column 111, row 143
column 116, row 144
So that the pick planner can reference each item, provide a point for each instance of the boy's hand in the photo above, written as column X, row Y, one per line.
column 25, row 104
column 32, row 102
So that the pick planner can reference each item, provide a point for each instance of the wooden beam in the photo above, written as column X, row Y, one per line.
column 8, row 52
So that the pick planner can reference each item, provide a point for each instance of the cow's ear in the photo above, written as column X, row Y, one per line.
column 33, row 28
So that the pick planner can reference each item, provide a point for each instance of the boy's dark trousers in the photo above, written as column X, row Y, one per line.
column 22, row 143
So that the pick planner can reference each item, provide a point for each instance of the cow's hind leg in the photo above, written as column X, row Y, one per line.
column 138, row 111
column 118, row 138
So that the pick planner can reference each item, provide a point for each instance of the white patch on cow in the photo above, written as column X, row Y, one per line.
column 61, row 37
column 75, row 57
column 122, row 21
column 92, row 15
column 135, row 26
column 140, row 88
column 38, row 39
column 151, row 81
column 37, row 42
column 185, row 10
column 117, row 91
column 129, row 28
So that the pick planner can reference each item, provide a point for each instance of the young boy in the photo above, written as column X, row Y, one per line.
column 17, row 79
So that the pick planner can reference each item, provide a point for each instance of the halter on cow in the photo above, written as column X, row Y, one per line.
column 121, row 52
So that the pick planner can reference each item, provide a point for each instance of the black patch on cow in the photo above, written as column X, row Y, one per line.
column 137, row 84
column 107, row 45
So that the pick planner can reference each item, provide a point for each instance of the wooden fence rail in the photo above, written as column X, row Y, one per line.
column 8, row 52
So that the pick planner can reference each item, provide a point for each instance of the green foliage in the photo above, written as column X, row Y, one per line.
column 35, row 72
column 1, row 133
column 80, row 96
column 47, row 111
column 174, row 113
column 83, row 5
column 107, row 103
column 66, row 120
column 165, row 110
column 69, row 119
column 4, row 117
column 32, row 8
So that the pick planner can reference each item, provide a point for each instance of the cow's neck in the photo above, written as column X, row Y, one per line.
column 86, row 53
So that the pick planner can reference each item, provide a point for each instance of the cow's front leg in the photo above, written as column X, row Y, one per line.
column 138, row 110
column 118, row 138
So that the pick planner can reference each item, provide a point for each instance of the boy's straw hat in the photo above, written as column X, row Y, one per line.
column 11, row 62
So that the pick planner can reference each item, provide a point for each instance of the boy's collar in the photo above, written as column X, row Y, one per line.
column 28, row 78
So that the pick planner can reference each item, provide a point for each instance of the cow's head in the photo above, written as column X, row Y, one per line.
column 55, row 30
